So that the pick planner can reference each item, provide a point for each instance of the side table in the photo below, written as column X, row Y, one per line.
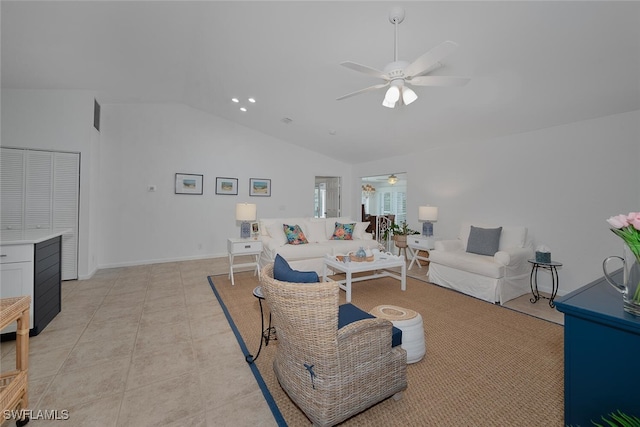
column 238, row 247
column 533, row 280
column 267, row 334
column 416, row 244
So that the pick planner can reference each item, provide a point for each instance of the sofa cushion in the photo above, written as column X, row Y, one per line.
column 295, row 235
column 349, row 313
column 315, row 230
column 343, row 231
column 360, row 230
column 484, row 241
column 276, row 232
column 284, row 273
column 513, row 237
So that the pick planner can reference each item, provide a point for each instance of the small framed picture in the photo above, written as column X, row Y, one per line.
column 260, row 187
column 255, row 229
column 227, row 186
column 187, row 183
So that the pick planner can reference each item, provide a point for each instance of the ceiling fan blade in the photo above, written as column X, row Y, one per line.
column 365, row 69
column 438, row 81
column 367, row 89
column 430, row 58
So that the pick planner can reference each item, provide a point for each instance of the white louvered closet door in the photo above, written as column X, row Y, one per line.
column 11, row 189
column 40, row 189
column 66, row 175
column 38, row 196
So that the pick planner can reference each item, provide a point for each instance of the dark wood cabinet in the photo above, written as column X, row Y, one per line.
column 47, row 278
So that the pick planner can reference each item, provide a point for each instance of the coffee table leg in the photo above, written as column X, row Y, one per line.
column 348, row 286
column 403, row 279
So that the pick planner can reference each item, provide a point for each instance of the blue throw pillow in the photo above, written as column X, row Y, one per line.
column 284, row 273
column 484, row 241
column 349, row 313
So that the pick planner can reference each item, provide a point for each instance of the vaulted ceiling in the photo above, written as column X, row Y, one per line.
column 532, row 64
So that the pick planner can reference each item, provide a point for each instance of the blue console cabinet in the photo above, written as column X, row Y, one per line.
column 601, row 354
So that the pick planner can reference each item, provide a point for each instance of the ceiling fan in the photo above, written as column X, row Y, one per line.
column 399, row 75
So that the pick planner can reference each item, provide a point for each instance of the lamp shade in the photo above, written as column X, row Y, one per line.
column 427, row 213
column 246, row 212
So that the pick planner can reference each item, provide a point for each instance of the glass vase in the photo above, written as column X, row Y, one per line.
column 630, row 286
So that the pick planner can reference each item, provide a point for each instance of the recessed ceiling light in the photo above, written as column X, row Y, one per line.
column 235, row 99
column 243, row 109
column 252, row 100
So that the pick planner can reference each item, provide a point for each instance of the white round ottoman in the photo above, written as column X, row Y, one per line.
column 410, row 323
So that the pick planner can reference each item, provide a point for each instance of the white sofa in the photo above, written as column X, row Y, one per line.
column 318, row 231
column 497, row 278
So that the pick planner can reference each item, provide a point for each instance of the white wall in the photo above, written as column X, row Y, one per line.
column 562, row 183
column 146, row 145
column 57, row 121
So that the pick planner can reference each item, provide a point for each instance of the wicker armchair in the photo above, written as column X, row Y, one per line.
column 330, row 374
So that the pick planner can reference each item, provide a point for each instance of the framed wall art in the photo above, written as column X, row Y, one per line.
column 260, row 187
column 187, row 183
column 227, row 186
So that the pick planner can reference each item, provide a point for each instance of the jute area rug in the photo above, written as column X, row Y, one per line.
column 485, row 365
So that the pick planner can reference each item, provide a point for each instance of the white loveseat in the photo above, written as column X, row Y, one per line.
column 497, row 278
column 318, row 231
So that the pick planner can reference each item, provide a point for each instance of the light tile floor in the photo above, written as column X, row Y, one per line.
column 148, row 346
column 142, row 346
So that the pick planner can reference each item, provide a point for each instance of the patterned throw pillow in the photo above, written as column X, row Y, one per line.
column 343, row 231
column 294, row 234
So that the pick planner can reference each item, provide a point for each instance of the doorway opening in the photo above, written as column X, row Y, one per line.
column 385, row 195
column 327, row 197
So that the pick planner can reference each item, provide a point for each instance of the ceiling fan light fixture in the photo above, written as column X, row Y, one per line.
column 392, row 179
column 408, row 95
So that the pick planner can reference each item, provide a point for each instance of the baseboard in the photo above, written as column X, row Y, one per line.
column 161, row 261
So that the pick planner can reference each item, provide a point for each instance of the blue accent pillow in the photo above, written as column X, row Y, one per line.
column 284, row 273
column 484, row 241
column 349, row 313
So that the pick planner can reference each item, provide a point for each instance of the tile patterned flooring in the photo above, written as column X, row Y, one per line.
column 148, row 346
column 142, row 346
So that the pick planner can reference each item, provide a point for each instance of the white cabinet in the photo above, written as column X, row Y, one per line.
column 237, row 247
column 419, row 243
column 16, row 275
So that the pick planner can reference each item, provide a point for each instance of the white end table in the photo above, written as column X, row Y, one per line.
column 238, row 247
column 419, row 243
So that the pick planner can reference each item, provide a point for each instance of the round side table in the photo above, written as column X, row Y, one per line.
column 267, row 334
column 410, row 323
column 552, row 266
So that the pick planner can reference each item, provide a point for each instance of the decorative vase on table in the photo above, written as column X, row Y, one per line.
column 627, row 228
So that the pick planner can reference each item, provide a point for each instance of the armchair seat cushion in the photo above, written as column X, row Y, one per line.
column 349, row 313
column 470, row 262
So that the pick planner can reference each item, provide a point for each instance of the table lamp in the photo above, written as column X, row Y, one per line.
column 427, row 215
column 246, row 212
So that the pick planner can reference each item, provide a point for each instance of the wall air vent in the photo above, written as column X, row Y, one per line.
column 96, row 115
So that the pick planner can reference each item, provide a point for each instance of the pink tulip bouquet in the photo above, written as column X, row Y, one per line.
column 628, row 228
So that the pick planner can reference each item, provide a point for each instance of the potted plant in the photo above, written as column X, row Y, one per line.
column 399, row 232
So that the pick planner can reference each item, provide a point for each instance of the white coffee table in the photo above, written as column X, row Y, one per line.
column 379, row 268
